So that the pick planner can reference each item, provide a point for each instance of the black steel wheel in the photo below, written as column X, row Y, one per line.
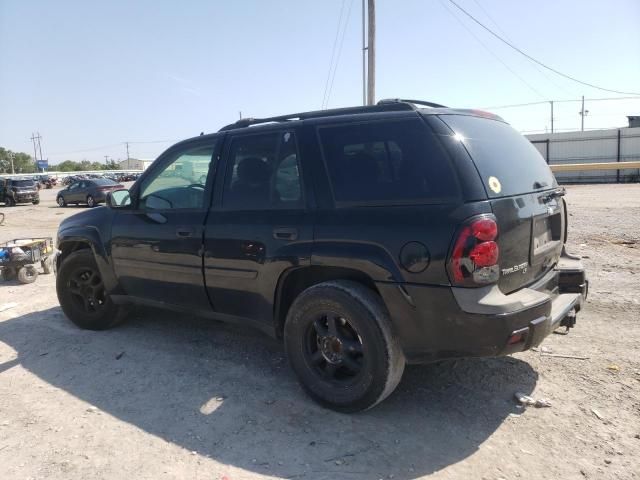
column 82, row 293
column 340, row 343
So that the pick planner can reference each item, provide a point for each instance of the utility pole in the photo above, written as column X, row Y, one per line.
column 11, row 157
column 106, row 159
column 551, row 102
column 40, row 146
column 127, row 144
column 35, row 149
column 371, row 52
column 364, row 52
column 583, row 113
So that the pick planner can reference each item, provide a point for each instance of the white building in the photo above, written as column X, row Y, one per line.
column 134, row 164
column 593, row 146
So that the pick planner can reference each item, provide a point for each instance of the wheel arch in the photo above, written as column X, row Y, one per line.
column 294, row 281
column 73, row 240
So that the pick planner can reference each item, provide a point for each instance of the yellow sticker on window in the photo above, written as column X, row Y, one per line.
column 494, row 185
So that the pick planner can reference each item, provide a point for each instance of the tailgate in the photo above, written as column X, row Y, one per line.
column 530, row 238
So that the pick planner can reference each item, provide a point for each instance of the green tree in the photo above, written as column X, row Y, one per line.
column 112, row 165
column 67, row 166
column 22, row 162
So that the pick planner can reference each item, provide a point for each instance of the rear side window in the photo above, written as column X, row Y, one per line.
column 508, row 163
column 386, row 163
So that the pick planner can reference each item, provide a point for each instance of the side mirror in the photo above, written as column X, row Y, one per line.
column 118, row 198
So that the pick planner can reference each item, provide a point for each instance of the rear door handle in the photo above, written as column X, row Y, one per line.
column 184, row 232
column 285, row 233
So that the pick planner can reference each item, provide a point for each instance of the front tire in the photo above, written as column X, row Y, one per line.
column 340, row 343
column 82, row 294
column 91, row 201
column 9, row 202
column 61, row 202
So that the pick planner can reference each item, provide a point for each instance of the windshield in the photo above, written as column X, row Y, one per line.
column 507, row 162
column 23, row 183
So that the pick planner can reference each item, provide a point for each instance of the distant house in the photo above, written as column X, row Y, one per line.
column 134, row 164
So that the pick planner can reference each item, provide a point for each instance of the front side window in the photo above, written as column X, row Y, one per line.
column 263, row 172
column 391, row 162
column 180, row 184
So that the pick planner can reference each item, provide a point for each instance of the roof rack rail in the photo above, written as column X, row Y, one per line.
column 388, row 101
column 380, row 107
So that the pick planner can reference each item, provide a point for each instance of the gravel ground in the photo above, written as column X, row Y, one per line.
column 185, row 398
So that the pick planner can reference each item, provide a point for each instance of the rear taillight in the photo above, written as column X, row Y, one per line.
column 474, row 258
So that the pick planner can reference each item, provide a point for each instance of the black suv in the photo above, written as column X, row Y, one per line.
column 365, row 237
column 18, row 190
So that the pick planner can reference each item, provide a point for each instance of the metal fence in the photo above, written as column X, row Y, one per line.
column 598, row 146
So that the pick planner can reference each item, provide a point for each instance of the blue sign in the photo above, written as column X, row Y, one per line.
column 42, row 164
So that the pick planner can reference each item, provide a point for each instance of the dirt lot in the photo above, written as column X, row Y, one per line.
column 169, row 397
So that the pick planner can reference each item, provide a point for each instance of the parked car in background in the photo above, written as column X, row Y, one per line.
column 18, row 190
column 91, row 191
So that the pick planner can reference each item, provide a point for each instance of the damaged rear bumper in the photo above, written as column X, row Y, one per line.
column 447, row 322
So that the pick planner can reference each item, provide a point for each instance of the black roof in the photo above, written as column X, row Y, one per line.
column 387, row 105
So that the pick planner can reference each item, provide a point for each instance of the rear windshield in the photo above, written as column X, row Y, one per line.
column 23, row 183
column 103, row 181
column 387, row 162
column 508, row 163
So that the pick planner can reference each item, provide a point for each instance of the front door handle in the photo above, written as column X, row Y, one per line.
column 285, row 233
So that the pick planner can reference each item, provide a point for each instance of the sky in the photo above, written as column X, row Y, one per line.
column 89, row 76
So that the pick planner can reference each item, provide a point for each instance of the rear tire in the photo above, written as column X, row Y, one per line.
column 82, row 295
column 9, row 202
column 340, row 343
column 61, row 202
column 27, row 274
column 8, row 273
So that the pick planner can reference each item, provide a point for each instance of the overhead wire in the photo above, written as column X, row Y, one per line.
column 344, row 31
column 333, row 52
column 526, row 55
column 494, row 55
column 501, row 30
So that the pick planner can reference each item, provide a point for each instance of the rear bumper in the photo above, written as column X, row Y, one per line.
column 100, row 197
column 434, row 323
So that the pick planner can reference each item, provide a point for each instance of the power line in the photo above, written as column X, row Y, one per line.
column 344, row 30
column 559, row 101
column 501, row 30
column 333, row 52
column 535, row 60
column 113, row 145
column 514, row 105
column 534, row 90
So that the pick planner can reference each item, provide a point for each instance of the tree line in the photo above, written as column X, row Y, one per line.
column 24, row 163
